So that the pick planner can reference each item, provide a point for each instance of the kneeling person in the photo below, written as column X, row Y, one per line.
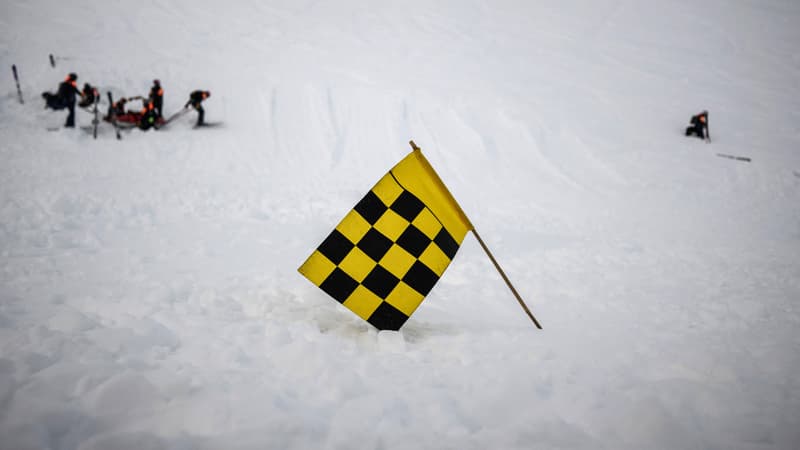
column 149, row 116
column 699, row 126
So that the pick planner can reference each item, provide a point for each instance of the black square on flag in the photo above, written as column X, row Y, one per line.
column 335, row 247
column 421, row 278
column 446, row 242
column 339, row 285
column 380, row 281
column 374, row 244
column 387, row 317
column 371, row 208
column 413, row 241
column 407, row 206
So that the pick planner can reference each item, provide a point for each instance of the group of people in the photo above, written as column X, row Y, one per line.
column 150, row 115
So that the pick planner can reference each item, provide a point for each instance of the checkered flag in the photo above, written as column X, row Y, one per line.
column 389, row 251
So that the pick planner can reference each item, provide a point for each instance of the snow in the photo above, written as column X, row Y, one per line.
column 149, row 297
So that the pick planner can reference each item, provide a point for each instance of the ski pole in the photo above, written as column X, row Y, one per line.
column 112, row 116
column 16, row 80
column 54, row 58
column 95, row 121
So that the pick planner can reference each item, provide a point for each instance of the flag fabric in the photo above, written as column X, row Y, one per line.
column 389, row 251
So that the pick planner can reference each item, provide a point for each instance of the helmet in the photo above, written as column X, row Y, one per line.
column 86, row 86
column 72, row 76
column 156, row 82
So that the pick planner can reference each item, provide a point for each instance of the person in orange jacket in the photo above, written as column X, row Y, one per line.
column 65, row 98
column 149, row 117
column 157, row 97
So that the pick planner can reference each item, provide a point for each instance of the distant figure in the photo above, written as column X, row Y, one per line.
column 149, row 117
column 90, row 95
column 157, row 97
column 699, row 126
column 118, row 108
column 195, row 100
column 64, row 98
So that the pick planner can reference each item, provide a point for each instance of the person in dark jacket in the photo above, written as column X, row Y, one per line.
column 699, row 126
column 195, row 100
column 64, row 98
column 118, row 108
column 67, row 91
column 157, row 97
column 90, row 95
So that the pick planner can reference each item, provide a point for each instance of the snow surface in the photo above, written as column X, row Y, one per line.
column 149, row 297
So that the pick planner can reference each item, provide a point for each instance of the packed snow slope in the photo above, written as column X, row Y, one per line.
column 149, row 297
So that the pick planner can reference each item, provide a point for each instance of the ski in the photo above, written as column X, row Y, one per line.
column 737, row 158
column 16, row 80
column 112, row 117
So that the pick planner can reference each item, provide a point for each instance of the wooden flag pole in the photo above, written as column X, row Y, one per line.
column 505, row 278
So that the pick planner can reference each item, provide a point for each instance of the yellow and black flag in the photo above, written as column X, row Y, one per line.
column 390, row 250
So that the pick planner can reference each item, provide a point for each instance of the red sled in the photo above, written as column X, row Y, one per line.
column 132, row 119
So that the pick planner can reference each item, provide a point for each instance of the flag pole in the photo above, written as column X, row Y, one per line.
column 505, row 278
column 494, row 261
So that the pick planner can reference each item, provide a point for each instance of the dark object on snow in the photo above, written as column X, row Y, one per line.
column 699, row 126
column 157, row 97
column 64, row 98
column 52, row 101
column 90, row 96
column 16, row 80
column 111, row 116
column 118, row 107
column 737, row 158
column 96, row 114
column 195, row 100
column 208, row 125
